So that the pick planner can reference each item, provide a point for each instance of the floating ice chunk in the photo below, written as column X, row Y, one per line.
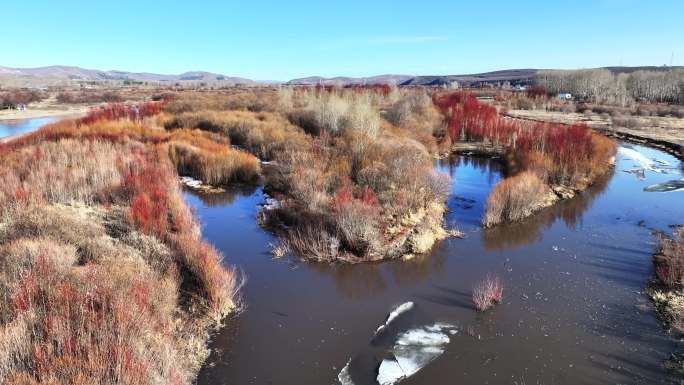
column 636, row 156
column 413, row 350
column 642, row 161
column 344, row 377
column 401, row 346
column 403, row 308
column 669, row 186
column 413, row 358
column 425, row 336
column 390, row 372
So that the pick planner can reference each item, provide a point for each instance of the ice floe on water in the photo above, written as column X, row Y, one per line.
column 669, row 186
column 413, row 350
column 404, row 307
column 403, row 345
column 644, row 163
column 344, row 377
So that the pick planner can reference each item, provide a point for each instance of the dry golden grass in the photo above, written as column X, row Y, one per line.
column 515, row 198
column 264, row 133
column 104, row 276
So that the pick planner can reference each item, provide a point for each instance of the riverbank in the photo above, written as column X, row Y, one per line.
column 665, row 133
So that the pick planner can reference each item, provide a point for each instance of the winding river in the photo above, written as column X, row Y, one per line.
column 573, row 312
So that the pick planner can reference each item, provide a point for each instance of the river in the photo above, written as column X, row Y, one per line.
column 573, row 311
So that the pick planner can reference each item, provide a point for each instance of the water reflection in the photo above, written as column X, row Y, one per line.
column 570, row 211
column 473, row 177
column 361, row 281
column 227, row 197
column 491, row 167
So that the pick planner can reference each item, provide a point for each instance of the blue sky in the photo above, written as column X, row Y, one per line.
column 282, row 40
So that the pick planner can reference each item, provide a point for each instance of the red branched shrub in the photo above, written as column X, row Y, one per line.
column 571, row 147
column 82, row 304
column 115, row 111
column 487, row 292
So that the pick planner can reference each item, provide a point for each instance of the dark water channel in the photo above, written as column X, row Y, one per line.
column 573, row 312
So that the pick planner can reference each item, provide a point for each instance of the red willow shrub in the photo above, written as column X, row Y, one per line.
column 149, row 203
column 571, row 147
column 81, row 304
column 487, row 292
column 114, row 111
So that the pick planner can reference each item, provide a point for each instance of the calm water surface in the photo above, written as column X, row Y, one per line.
column 16, row 127
column 574, row 311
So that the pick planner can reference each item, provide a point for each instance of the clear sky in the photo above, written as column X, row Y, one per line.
column 268, row 40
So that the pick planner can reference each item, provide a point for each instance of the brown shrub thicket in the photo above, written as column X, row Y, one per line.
column 67, row 97
column 264, row 133
column 104, row 275
column 199, row 154
column 12, row 99
column 336, row 163
column 515, row 198
column 255, row 100
column 670, row 260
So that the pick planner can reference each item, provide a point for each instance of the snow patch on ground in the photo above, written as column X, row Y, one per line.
column 191, row 182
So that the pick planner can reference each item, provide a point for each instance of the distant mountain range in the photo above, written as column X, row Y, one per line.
column 82, row 74
column 61, row 74
column 512, row 76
